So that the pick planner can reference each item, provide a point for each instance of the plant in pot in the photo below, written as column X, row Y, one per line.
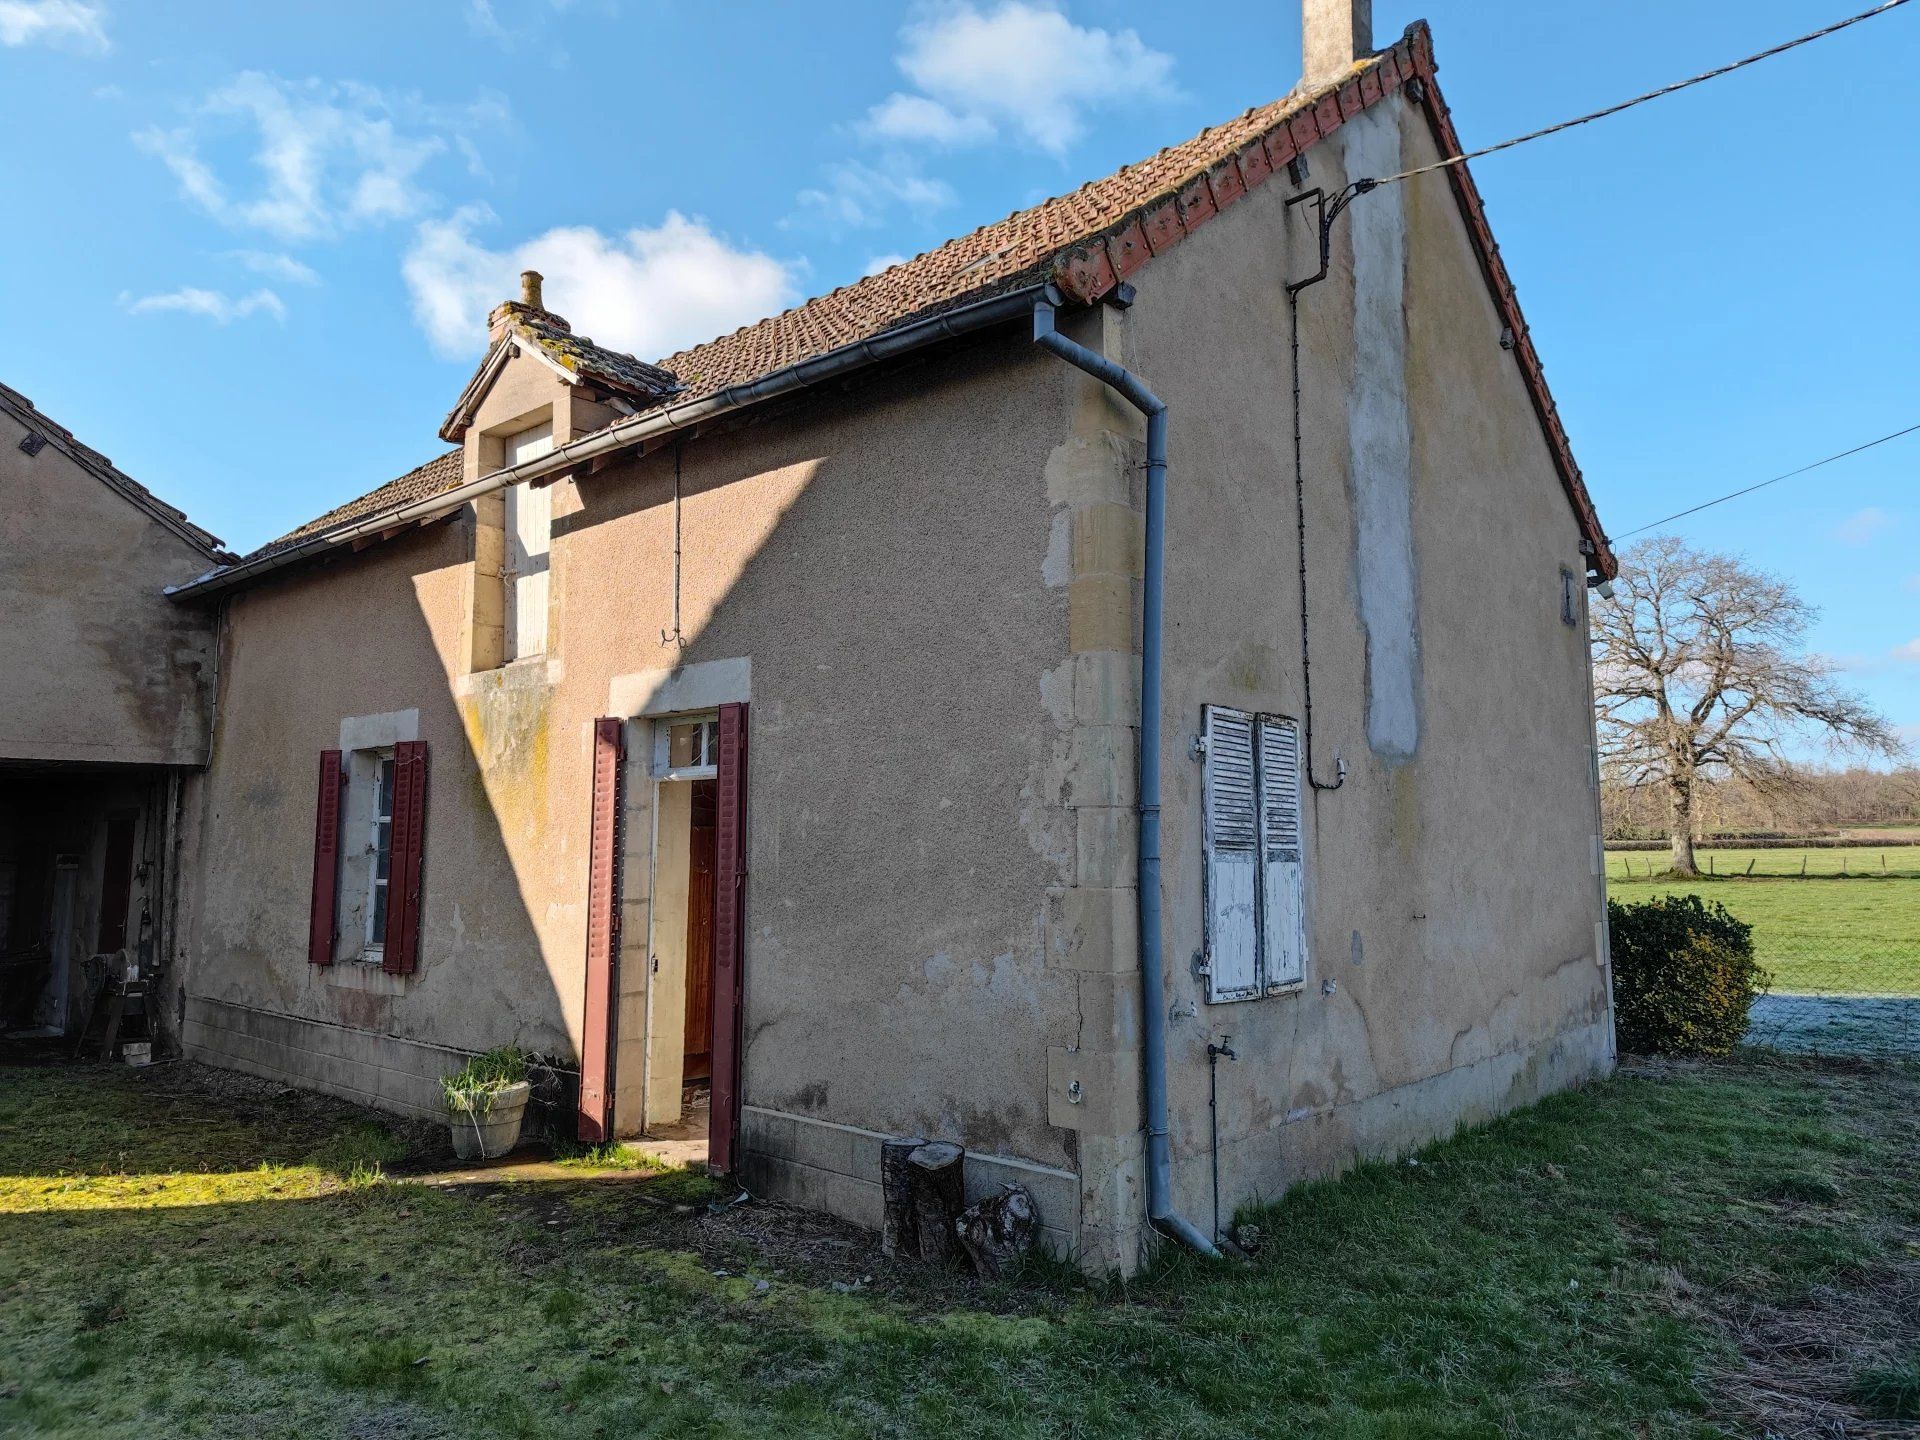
column 486, row 1100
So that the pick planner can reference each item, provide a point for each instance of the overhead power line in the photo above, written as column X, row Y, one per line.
column 1700, row 79
column 1748, row 490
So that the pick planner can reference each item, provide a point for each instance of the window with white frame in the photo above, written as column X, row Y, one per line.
column 686, row 748
column 379, row 852
column 529, row 543
column 367, row 795
column 1255, row 911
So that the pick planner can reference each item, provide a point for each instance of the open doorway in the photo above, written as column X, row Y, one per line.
column 680, row 1009
column 660, row 1059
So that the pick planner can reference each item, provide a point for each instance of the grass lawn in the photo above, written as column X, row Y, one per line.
column 1892, row 861
column 1858, row 936
column 188, row 1255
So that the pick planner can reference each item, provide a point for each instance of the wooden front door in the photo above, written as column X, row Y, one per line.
column 703, row 854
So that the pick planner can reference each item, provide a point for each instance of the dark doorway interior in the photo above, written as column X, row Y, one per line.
column 79, row 874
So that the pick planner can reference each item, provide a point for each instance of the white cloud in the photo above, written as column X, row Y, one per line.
column 1861, row 527
column 213, row 305
column 883, row 262
column 1023, row 66
column 857, row 195
column 1014, row 69
column 916, row 118
column 328, row 156
column 276, row 266
column 529, row 22
column 649, row 291
column 1908, row 653
column 69, row 24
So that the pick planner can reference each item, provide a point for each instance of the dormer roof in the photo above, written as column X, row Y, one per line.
column 526, row 327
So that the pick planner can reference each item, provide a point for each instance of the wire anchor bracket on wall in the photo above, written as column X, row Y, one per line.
column 1325, row 212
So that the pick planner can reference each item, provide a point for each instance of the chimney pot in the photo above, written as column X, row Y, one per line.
column 530, row 289
column 1334, row 34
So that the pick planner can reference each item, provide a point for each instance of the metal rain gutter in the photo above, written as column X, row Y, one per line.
column 1153, row 989
column 625, row 435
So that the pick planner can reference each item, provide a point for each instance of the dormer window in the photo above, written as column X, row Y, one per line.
column 529, row 537
column 528, row 444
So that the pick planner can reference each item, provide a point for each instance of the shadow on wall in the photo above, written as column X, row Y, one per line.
column 898, row 631
column 335, row 659
column 890, row 599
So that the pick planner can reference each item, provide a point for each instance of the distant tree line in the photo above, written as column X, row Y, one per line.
column 1820, row 799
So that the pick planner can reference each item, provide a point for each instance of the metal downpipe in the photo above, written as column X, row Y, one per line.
column 1153, row 996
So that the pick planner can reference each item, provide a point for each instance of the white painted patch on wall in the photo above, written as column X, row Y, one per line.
column 703, row 685
column 1380, row 441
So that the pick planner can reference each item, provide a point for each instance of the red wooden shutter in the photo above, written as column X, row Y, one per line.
column 603, row 932
column 400, row 951
column 326, row 862
column 729, row 902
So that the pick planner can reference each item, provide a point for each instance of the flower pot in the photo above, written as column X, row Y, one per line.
column 491, row 1129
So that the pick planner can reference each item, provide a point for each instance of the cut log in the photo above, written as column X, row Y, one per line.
column 937, row 1175
column 898, row 1235
column 999, row 1228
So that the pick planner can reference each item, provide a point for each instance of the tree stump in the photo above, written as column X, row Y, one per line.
column 898, row 1234
column 999, row 1228
column 937, row 1181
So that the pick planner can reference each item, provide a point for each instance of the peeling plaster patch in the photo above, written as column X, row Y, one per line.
column 1057, row 569
column 1083, row 470
column 1056, row 694
column 1379, row 438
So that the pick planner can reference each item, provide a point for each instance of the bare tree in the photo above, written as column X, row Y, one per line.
column 1700, row 673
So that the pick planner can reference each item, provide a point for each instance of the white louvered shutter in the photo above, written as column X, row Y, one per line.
column 1232, row 856
column 529, row 538
column 1283, row 915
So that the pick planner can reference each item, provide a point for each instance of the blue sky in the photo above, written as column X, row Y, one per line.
column 248, row 247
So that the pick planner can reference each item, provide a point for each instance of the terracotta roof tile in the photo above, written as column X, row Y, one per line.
column 1085, row 241
column 437, row 476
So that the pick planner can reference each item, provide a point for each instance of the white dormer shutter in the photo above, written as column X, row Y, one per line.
column 1283, row 929
column 529, row 539
column 1232, row 843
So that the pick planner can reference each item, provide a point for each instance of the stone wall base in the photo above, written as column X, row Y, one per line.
column 836, row 1168
column 368, row 1068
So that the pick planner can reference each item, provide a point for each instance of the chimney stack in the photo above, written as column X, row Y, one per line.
column 1334, row 34
column 529, row 307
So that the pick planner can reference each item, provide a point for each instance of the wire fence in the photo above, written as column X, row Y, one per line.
column 1837, row 931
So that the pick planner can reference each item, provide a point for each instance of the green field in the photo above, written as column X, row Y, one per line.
column 1821, row 935
column 1889, row 860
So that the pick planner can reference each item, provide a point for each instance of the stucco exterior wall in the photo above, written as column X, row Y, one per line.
column 927, row 590
column 1455, row 964
column 887, row 565
column 102, row 667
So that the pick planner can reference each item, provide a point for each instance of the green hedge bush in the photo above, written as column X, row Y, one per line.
column 1684, row 976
